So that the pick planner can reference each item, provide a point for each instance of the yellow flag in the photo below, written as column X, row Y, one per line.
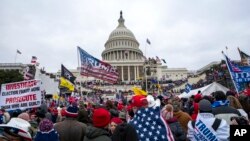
column 65, row 83
column 55, row 96
column 138, row 91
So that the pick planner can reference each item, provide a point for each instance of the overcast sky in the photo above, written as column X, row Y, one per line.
column 186, row 33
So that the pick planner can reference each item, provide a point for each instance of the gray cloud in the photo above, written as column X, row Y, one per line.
column 187, row 34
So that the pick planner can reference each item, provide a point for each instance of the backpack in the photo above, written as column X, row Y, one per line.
column 215, row 125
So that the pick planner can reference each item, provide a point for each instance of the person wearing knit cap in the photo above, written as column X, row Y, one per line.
column 174, row 124
column 46, row 131
column 113, row 124
column 206, row 126
column 101, row 119
column 70, row 129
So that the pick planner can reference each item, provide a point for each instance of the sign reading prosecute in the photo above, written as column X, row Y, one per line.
column 20, row 95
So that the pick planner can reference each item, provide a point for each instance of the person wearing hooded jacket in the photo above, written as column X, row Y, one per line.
column 98, row 132
column 206, row 126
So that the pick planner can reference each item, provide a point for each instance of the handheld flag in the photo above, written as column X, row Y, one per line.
column 65, row 83
column 33, row 60
column 164, row 60
column 188, row 88
column 245, row 58
column 19, row 52
column 138, row 91
column 67, row 74
column 238, row 75
column 148, row 41
column 91, row 66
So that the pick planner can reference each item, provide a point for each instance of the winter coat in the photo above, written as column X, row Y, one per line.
column 204, row 131
column 96, row 134
column 125, row 132
column 225, row 112
column 183, row 118
column 176, row 129
column 70, row 130
column 47, row 136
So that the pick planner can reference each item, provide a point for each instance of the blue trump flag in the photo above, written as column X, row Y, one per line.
column 188, row 88
column 239, row 75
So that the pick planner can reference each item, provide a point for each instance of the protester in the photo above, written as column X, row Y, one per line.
column 16, row 129
column 234, row 102
column 181, row 116
column 70, row 129
column 206, row 126
column 115, row 121
column 101, row 118
column 175, row 127
column 46, row 131
column 125, row 132
column 221, row 108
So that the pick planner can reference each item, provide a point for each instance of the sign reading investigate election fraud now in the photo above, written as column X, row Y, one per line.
column 20, row 95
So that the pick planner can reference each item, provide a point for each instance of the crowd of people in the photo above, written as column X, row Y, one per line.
column 142, row 118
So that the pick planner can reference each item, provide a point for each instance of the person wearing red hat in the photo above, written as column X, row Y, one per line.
column 97, row 132
column 115, row 121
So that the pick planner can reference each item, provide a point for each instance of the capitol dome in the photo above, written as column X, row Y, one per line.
column 122, row 51
column 121, row 44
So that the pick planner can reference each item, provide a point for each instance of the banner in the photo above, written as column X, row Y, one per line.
column 91, row 66
column 20, row 95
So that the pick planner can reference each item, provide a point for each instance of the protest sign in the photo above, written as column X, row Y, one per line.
column 20, row 95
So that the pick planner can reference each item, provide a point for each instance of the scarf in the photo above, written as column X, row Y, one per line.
column 220, row 103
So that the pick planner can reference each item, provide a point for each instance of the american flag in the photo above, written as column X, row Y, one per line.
column 33, row 60
column 150, row 126
column 91, row 66
column 232, row 67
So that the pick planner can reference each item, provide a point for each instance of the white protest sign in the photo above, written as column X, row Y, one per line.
column 20, row 95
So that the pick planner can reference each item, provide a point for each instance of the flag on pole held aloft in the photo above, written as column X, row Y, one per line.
column 148, row 41
column 158, row 59
column 18, row 51
column 67, row 74
column 164, row 60
column 67, row 84
column 239, row 75
column 188, row 88
column 33, row 60
column 91, row 66
column 245, row 58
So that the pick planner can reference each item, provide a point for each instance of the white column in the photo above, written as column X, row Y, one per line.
column 128, row 73
column 122, row 74
column 120, row 54
column 138, row 73
column 135, row 72
column 117, row 55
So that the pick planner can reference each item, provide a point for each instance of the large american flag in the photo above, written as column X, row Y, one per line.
column 150, row 126
column 91, row 66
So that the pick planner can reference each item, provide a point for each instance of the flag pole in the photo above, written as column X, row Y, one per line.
column 230, row 73
column 15, row 57
column 145, row 71
column 79, row 70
